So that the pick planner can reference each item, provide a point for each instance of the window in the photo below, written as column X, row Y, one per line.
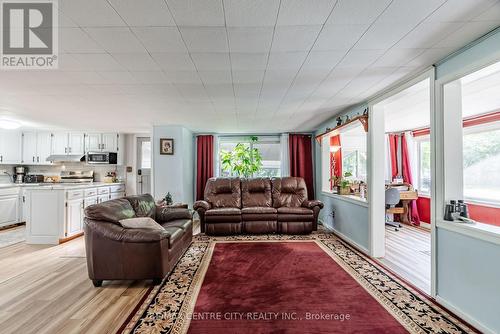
column 424, row 166
column 354, row 162
column 269, row 148
column 145, row 154
column 481, row 154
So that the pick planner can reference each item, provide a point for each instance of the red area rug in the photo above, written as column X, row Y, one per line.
column 284, row 284
column 284, row 287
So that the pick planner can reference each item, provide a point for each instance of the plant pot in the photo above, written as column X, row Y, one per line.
column 343, row 190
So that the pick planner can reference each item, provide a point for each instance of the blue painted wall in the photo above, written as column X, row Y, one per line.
column 351, row 220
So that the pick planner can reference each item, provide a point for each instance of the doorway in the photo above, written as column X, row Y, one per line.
column 143, row 165
column 401, row 191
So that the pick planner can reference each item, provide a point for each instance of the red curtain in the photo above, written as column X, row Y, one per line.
column 407, row 177
column 393, row 151
column 205, row 163
column 301, row 164
column 335, row 160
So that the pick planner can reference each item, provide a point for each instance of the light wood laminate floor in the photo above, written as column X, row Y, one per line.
column 408, row 254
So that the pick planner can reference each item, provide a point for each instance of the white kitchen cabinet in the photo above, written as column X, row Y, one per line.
column 60, row 143
column 117, row 195
column 101, row 142
column 93, row 142
column 102, row 198
column 110, row 142
column 36, row 147
column 76, row 143
column 74, row 217
column 10, row 147
column 9, row 206
column 89, row 201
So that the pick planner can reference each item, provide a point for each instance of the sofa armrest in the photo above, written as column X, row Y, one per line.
column 129, row 235
column 201, row 205
column 312, row 203
column 166, row 214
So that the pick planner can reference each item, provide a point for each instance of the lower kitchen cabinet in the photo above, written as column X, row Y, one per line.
column 9, row 206
column 74, row 217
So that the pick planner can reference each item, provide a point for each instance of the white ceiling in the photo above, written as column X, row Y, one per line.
column 234, row 65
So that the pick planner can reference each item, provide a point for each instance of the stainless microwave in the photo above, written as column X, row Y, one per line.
column 110, row 158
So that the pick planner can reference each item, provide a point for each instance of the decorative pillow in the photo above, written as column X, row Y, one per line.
column 141, row 222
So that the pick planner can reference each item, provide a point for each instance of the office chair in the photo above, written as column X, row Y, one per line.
column 392, row 197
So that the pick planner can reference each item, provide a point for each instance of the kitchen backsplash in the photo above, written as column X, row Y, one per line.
column 52, row 170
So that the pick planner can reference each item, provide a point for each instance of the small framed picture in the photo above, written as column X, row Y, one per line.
column 167, row 146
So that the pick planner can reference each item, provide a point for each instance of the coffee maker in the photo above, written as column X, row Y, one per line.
column 20, row 173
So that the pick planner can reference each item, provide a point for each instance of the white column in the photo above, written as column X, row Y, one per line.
column 285, row 155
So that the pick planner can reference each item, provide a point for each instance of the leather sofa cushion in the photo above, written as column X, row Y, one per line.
column 223, row 192
column 256, row 192
column 258, row 210
column 223, row 212
column 144, row 205
column 176, row 233
column 111, row 211
column 140, row 222
column 295, row 210
column 165, row 214
column 288, row 191
column 185, row 224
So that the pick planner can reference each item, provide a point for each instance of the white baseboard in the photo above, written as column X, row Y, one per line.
column 464, row 316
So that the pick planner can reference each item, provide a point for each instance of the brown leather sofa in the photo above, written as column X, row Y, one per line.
column 255, row 206
column 117, row 253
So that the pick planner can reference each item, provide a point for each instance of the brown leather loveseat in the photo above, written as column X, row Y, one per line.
column 254, row 206
column 117, row 253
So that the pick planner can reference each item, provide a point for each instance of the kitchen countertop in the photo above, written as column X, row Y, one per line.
column 63, row 186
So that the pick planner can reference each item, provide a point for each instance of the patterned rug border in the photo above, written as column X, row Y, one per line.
column 177, row 321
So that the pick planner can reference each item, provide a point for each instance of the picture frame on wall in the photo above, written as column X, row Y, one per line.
column 166, row 146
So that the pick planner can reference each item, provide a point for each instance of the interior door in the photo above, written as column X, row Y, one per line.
column 143, row 165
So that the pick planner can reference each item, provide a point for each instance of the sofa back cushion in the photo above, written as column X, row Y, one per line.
column 144, row 205
column 288, row 191
column 223, row 192
column 256, row 192
column 110, row 211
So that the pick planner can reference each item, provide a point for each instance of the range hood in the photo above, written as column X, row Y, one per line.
column 66, row 158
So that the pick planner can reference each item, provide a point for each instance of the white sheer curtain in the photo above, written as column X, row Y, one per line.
column 285, row 155
column 412, row 157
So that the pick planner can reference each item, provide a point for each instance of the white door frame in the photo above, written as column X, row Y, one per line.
column 376, row 167
column 138, row 153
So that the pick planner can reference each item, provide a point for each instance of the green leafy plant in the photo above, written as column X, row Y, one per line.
column 168, row 199
column 344, row 182
column 243, row 160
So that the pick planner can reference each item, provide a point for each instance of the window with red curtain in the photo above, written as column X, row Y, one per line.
column 301, row 164
column 335, row 159
column 204, row 163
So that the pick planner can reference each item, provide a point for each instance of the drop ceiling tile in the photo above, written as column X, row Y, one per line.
column 357, row 11
column 295, row 38
column 324, row 60
column 248, row 76
column 409, row 12
column 251, row 13
column 205, row 39
column 136, row 61
column 97, row 62
column 460, row 10
column 144, row 13
column 360, row 58
column 339, row 36
column 430, row 56
column 467, row 33
column 119, row 77
column 151, row 77
column 383, row 35
column 75, row 40
column 249, row 61
column 304, row 12
column 183, row 77
column 215, row 77
column 250, row 39
column 210, row 61
column 91, row 13
column 192, row 92
column 398, row 57
column 116, row 39
column 160, row 39
column 197, row 13
column 174, row 61
column 427, row 34
column 286, row 60
column 490, row 14
column 85, row 77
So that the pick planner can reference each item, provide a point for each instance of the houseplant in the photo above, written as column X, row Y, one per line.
column 243, row 161
column 344, row 184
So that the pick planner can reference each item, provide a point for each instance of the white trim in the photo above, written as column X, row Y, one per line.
column 479, row 202
column 485, row 232
column 464, row 315
column 347, row 198
column 347, row 239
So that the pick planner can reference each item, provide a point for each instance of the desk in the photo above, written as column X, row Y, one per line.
column 406, row 196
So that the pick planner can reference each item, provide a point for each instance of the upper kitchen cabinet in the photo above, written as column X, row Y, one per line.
column 37, row 147
column 101, row 142
column 68, row 143
column 10, row 147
